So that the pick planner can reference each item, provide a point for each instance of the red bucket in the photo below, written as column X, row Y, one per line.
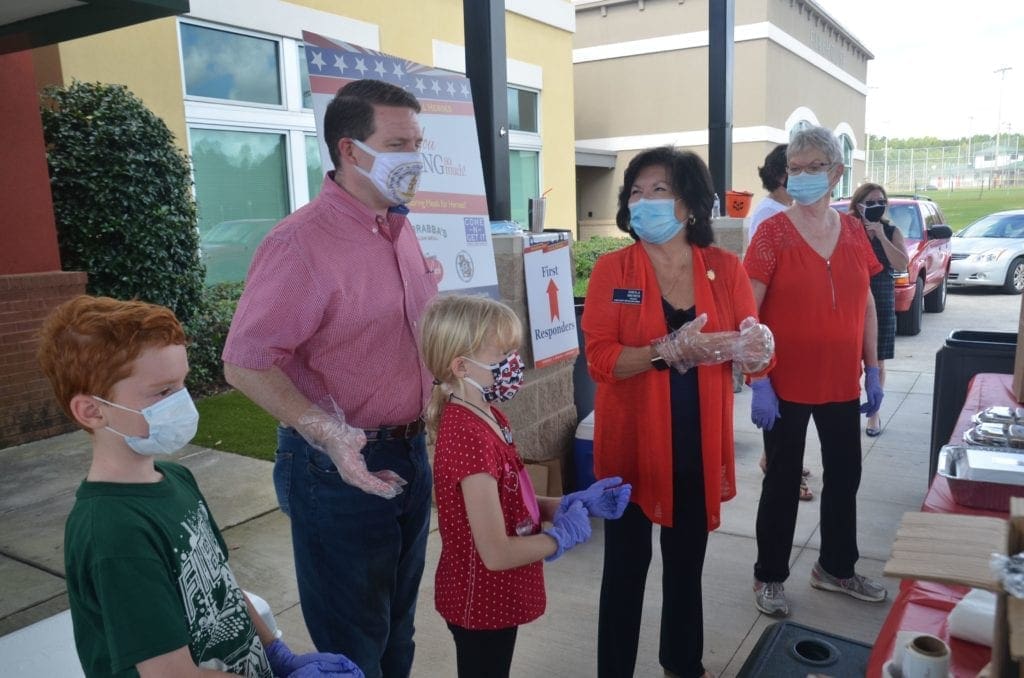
column 737, row 203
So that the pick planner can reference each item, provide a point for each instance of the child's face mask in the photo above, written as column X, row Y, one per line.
column 508, row 378
column 172, row 424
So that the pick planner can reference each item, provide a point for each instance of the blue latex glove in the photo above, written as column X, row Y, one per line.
column 764, row 406
column 286, row 664
column 873, row 391
column 606, row 498
column 571, row 526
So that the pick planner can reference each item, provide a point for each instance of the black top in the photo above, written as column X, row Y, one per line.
column 685, row 403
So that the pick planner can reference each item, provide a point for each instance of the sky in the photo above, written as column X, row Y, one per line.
column 933, row 71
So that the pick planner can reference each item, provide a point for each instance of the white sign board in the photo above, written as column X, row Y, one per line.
column 549, row 299
column 449, row 211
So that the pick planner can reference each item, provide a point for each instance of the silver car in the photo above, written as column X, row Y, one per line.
column 990, row 252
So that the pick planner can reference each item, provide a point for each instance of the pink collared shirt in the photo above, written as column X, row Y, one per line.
column 336, row 304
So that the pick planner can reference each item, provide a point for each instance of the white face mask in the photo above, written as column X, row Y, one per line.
column 395, row 174
column 172, row 424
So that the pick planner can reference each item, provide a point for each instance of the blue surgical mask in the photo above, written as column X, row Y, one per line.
column 654, row 221
column 808, row 188
column 172, row 424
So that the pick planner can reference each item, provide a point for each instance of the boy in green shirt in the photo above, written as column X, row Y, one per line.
column 149, row 585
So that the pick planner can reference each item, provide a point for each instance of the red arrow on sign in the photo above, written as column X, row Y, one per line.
column 552, row 291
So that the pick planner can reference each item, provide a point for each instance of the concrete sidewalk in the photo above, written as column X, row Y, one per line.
column 38, row 481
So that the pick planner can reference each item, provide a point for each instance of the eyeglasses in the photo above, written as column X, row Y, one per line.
column 875, row 203
column 813, row 168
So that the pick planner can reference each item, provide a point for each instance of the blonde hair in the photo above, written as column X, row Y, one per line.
column 458, row 325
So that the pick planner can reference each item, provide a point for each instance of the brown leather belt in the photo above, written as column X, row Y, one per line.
column 400, row 432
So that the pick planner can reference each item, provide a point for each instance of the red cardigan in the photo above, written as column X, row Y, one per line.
column 632, row 420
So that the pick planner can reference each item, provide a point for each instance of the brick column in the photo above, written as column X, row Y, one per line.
column 28, row 410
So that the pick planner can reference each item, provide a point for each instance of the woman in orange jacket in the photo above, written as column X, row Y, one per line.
column 663, row 321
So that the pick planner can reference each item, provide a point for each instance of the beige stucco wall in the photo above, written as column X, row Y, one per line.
column 665, row 93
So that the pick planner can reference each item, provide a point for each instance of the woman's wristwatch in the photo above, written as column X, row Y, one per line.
column 658, row 363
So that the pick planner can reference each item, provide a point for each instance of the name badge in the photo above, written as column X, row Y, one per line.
column 620, row 296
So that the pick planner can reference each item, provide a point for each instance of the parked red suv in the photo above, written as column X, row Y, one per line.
column 922, row 287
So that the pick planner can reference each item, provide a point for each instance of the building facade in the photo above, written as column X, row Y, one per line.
column 228, row 79
column 641, row 80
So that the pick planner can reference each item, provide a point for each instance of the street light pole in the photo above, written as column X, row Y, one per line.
column 999, row 109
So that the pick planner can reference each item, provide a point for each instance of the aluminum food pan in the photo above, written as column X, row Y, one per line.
column 999, row 414
column 975, row 494
column 992, row 434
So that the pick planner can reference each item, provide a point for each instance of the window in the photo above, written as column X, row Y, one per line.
column 252, row 136
column 314, row 168
column 524, row 144
column 524, row 176
column 522, row 110
column 239, row 175
column 845, row 185
column 231, row 66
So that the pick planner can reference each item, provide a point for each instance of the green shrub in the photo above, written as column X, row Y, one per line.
column 587, row 252
column 122, row 197
column 207, row 330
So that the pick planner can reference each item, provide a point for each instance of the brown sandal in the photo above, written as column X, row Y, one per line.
column 806, row 494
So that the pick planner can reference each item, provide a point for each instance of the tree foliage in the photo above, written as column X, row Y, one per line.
column 122, row 197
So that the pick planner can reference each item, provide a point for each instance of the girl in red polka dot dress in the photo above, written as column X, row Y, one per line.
column 489, row 578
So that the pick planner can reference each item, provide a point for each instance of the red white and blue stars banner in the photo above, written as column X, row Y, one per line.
column 449, row 211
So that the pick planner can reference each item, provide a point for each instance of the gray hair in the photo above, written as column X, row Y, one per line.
column 819, row 138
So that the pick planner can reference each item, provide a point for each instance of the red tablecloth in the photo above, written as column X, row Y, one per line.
column 924, row 606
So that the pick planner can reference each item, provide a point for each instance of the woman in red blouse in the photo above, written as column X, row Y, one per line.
column 663, row 409
column 810, row 268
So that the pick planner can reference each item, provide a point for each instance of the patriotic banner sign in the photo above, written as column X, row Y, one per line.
column 449, row 211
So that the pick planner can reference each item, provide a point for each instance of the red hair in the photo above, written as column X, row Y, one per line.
column 88, row 344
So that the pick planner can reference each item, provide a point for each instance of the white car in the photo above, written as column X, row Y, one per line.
column 990, row 252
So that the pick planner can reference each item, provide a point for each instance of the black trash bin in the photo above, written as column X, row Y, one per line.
column 965, row 354
column 791, row 649
column 583, row 386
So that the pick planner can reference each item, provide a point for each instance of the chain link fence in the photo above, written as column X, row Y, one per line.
column 943, row 168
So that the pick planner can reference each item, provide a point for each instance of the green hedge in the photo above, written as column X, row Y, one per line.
column 207, row 330
column 587, row 252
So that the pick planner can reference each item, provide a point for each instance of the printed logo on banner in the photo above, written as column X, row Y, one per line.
column 476, row 233
column 464, row 266
column 431, row 232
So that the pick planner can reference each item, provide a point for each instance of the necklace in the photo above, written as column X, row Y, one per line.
column 506, row 432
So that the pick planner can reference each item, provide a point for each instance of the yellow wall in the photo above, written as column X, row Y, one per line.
column 146, row 59
column 143, row 57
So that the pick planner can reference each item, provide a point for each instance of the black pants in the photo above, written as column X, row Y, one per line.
column 838, row 427
column 484, row 653
column 627, row 555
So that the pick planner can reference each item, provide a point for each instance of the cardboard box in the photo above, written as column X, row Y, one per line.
column 955, row 549
column 1018, row 363
column 546, row 477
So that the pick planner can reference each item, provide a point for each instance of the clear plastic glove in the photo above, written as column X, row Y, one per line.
column 328, row 432
column 764, row 406
column 685, row 347
column 571, row 526
column 754, row 347
column 607, row 498
column 873, row 391
column 285, row 664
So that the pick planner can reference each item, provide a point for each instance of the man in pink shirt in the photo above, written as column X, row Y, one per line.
column 326, row 339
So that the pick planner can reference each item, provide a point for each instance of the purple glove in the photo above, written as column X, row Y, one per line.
column 607, row 498
column 285, row 664
column 571, row 526
column 873, row 391
column 764, row 406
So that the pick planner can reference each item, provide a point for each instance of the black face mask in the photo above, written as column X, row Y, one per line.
column 874, row 213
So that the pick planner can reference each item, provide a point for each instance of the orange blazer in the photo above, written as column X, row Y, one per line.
column 632, row 420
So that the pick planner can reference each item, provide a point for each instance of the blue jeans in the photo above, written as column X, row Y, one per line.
column 358, row 557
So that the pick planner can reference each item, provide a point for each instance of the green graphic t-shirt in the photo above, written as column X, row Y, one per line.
column 147, row 572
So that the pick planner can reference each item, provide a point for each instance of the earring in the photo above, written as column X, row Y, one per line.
column 692, row 219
